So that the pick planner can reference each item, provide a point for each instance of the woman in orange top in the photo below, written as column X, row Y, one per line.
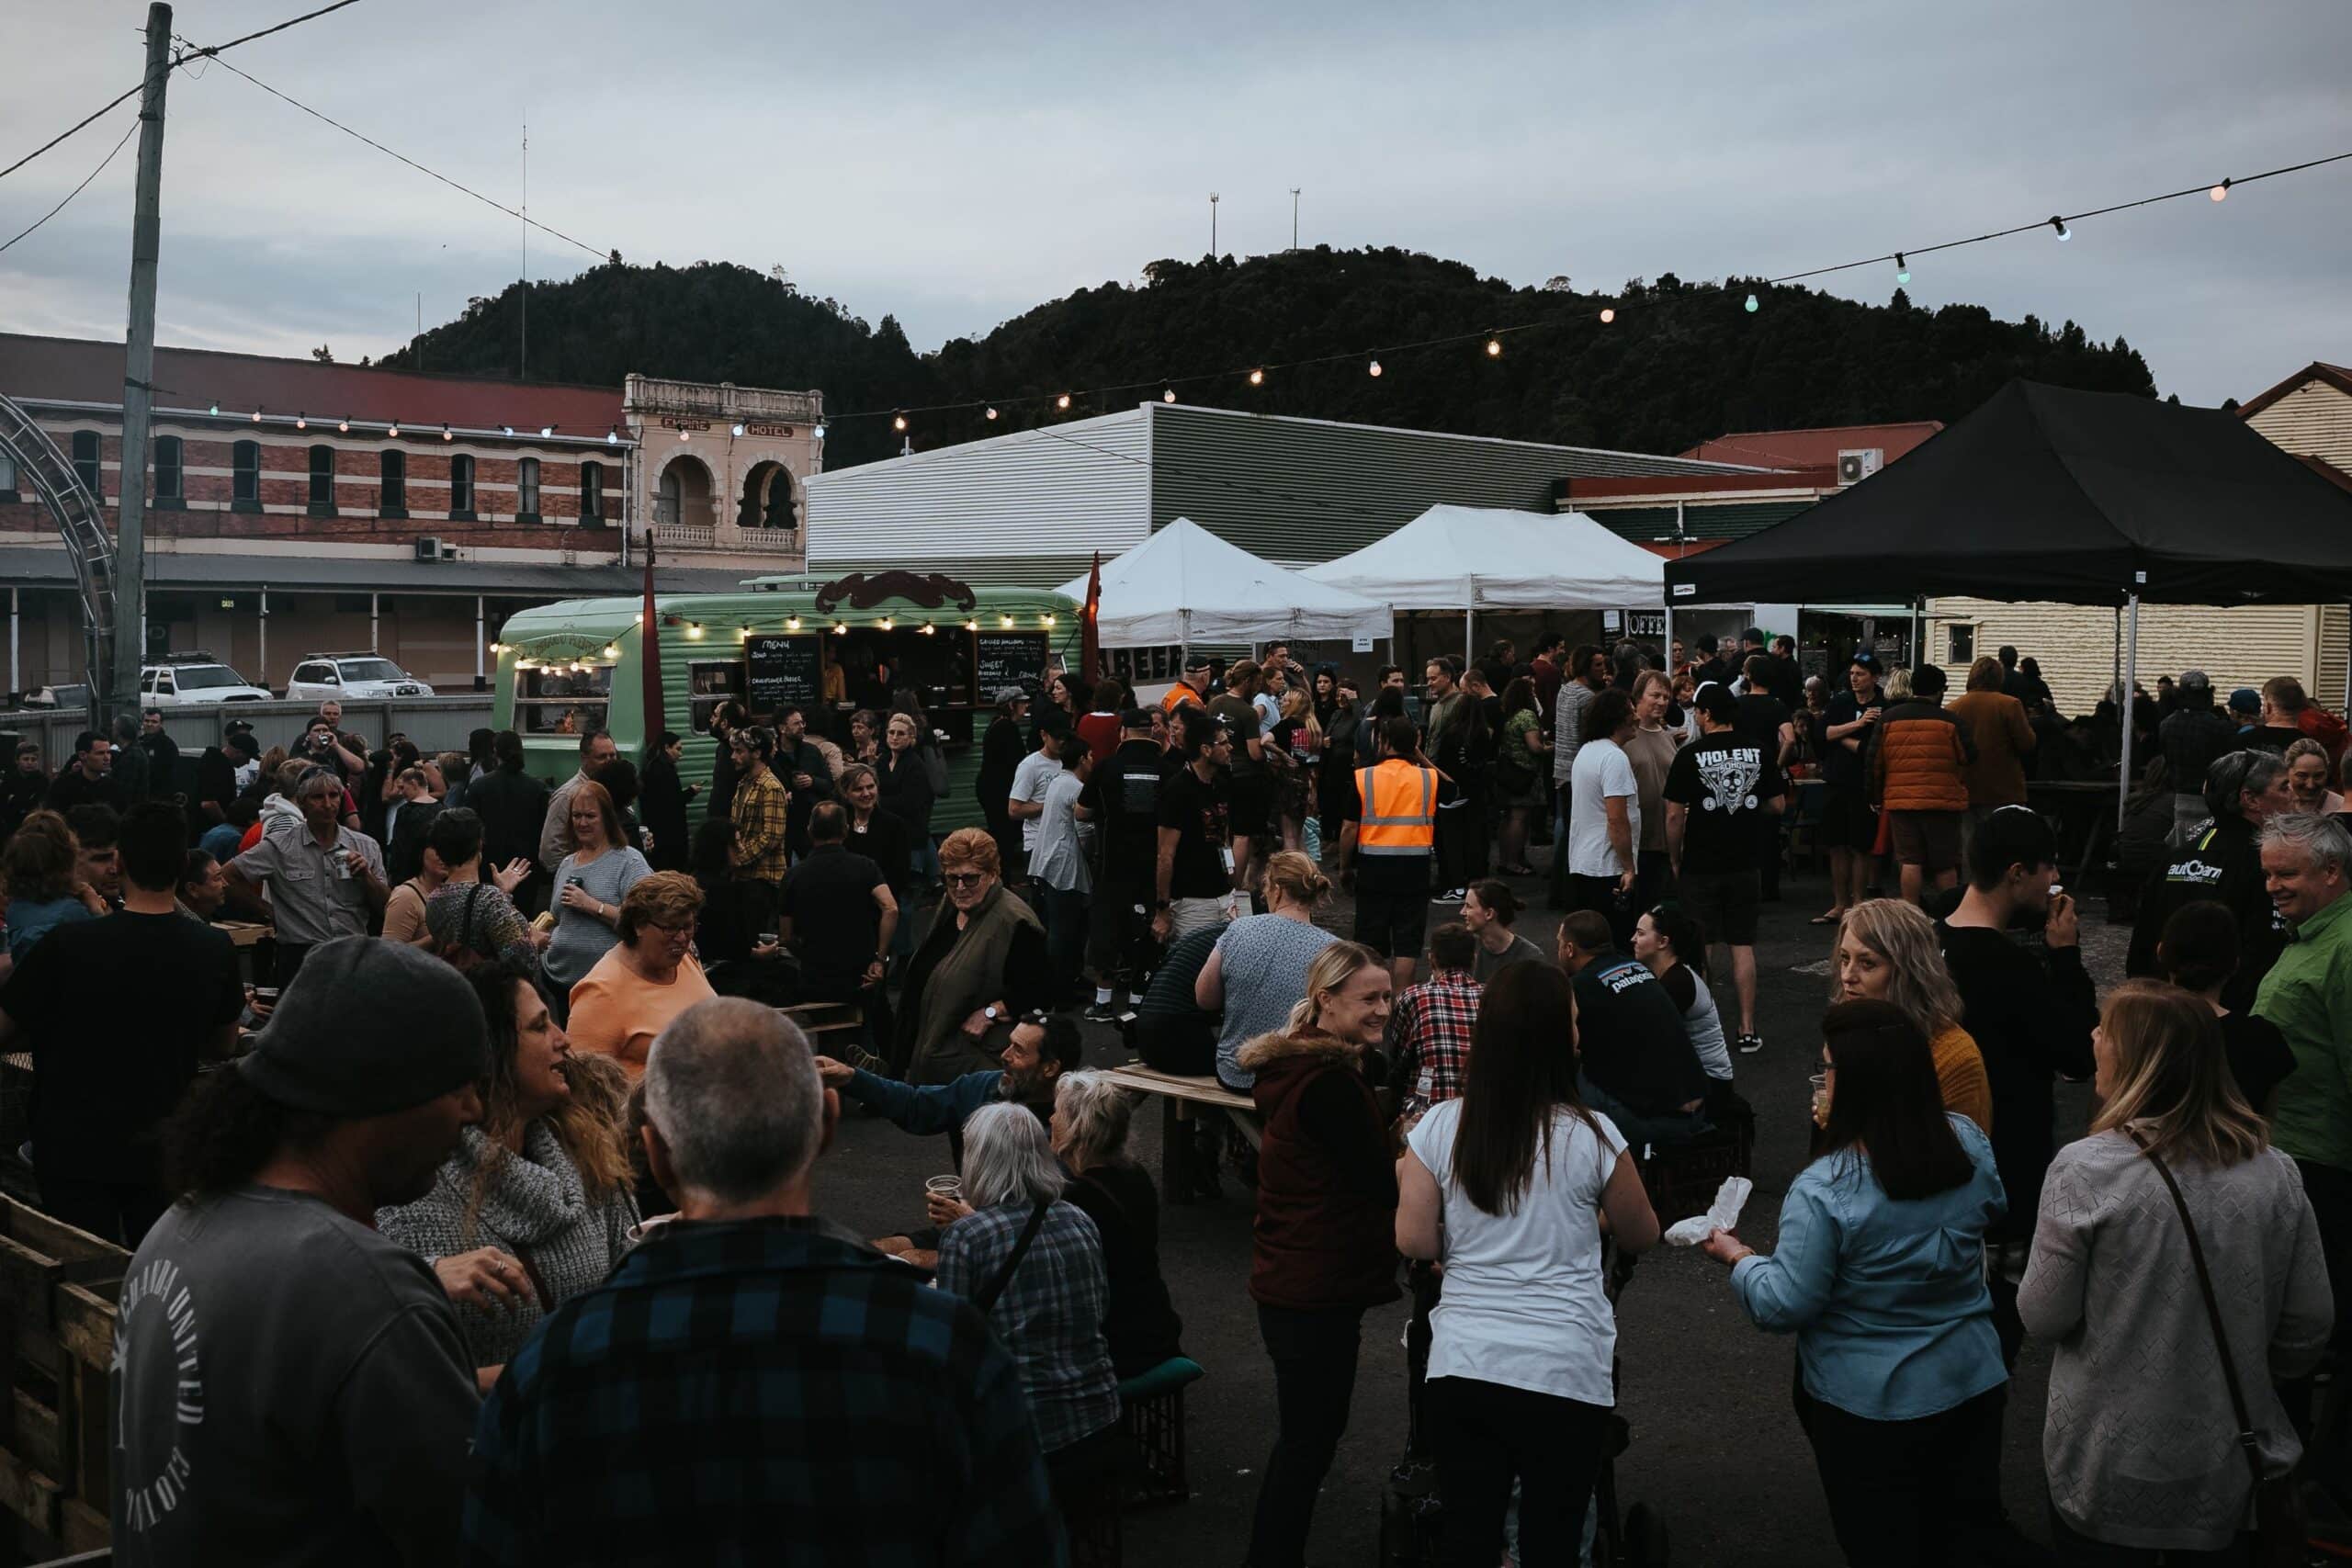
column 648, row 977
column 1886, row 950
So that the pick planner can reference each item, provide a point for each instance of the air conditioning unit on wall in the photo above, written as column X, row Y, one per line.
column 1858, row 464
column 430, row 549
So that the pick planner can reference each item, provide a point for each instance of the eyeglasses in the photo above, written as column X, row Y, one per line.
column 964, row 878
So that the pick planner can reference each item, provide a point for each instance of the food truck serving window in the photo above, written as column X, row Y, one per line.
column 710, row 684
column 560, row 700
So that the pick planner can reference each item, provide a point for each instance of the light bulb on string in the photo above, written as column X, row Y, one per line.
column 1048, row 620
column 216, row 411
column 1373, row 369
column 693, row 631
column 2059, row 224
column 792, row 624
column 1169, row 396
column 841, row 628
column 972, row 625
column 899, row 422
column 395, row 430
column 1062, row 401
column 1004, row 620
column 612, row 651
column 302, row 422
column 1607, row 314
column 820, row 433
column 256, row 416
column 992, row 413
column 344, row 426
column 611, row 434
column 1494, row 348
column 738, row 428
column 547, row 429
column 507, row 431
column 885, row 623
column 686, row 436
column 1902, row 268
column 444, row 434
column 1257, row 377
column 1752, row 306
column 2220, row 192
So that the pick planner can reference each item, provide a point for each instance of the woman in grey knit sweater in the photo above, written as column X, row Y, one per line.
column 536, row 1206
column 2141, row 1442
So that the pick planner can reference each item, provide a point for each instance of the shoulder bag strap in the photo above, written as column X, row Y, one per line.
column 986, row 1300
column 2247, row 1437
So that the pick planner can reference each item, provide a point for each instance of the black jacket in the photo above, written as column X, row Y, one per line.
column 1001, row 750
column 513, row 806
column 2192, row 739
column 2225, row 864
column 661, row 798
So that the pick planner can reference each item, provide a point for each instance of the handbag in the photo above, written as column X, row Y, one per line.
column 2280, row 1537
column 986, row 1300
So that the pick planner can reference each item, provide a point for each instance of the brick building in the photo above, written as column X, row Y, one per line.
column 298, row 506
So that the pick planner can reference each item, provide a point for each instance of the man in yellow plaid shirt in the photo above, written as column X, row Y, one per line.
column 759, row 818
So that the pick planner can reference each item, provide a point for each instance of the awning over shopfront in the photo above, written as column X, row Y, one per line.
column 40, row 567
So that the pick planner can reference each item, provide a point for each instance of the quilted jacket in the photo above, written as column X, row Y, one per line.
column 1920, row 759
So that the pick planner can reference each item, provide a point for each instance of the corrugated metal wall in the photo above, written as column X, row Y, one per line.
column 1012, row 509
column 2075, row 643
column 1298, row 490
column 2334, row 649
column 2315, row 420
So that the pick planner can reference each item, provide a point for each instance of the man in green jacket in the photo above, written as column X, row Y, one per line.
column 2306, row 862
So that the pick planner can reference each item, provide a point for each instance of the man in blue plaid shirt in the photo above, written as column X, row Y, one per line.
column 750, row 1382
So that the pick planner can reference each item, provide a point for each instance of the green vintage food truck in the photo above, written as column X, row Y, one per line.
column 826, row 647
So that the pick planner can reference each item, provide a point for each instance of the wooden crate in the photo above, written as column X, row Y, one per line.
column 85, row 1321
column 50, row 1401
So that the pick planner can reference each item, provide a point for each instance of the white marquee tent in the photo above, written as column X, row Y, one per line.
column 1184, row 584
column 1476, row 557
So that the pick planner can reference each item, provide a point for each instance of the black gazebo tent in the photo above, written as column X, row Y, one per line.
column 2085, row 498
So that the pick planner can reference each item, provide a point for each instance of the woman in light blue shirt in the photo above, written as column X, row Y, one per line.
column 1880, row 1273
column 1258, row 972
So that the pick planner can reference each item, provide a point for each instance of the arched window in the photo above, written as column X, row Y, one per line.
column 244, row 477
column 526, row 491
column 321, row 481
column 591, row 492
column 391, row 483
column 665, row 504
column 171, row 486
column 461, row 488
column 86, row 462
column 780, row 512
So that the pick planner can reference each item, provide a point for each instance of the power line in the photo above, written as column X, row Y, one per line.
column 453, row 184
column 129, row 131
column 137, row 86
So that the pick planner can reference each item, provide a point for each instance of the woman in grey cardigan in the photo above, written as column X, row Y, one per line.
column 590, row 884
column 2141, row 1442
column 536, row 1206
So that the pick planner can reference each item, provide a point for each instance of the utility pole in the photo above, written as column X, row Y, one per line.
column 524, row 293
column 1294, row 218
column 138, row 374
column 1212, row 225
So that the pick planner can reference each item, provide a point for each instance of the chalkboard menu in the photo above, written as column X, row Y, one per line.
column 1011, row 659
column 784, row 670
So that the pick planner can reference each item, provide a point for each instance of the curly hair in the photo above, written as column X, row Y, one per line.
column 666, row 898
column 39, row 861
column 589, row 1126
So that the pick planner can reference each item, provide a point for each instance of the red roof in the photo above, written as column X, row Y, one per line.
column 80, row 370
column 1814, row 448
column 2335, row 375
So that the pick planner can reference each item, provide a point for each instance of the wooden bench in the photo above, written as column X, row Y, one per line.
column 1181, row 1102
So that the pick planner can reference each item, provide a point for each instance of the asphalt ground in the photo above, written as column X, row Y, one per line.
column 1715, row 1447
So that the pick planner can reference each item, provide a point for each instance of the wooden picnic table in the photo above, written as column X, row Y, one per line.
column 1182, row 1099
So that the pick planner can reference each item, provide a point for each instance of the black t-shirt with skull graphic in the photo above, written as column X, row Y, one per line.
column 1722, row 780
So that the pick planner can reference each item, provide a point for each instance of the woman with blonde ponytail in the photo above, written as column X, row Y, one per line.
column 1324, row 1241
column 1259, row 969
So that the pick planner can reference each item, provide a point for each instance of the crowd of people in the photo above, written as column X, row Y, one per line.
column 489, row 1199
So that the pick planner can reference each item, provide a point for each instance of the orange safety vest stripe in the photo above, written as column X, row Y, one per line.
column 1399, row 809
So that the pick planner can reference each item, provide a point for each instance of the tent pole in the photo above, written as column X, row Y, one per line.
column 1668, row 646
column 1188, row 636
column 2130, row 678
column 1469, row 637
column 1919, row 655
column 2348, row 667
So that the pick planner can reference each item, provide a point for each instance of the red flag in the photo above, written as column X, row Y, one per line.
column 1090, row 645
column 650, row 654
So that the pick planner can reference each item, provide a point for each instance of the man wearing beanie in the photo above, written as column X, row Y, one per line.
column 289, row 1386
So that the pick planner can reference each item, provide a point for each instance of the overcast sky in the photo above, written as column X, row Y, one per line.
column 957, row 164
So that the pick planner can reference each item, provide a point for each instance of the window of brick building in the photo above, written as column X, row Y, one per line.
column 591, row 492
column 391, row 478
column 7, row 477
column 526, row 491
column 321, row 481
column 461, row 488
column 244, row 477
column 171, row 487
column 86, row 462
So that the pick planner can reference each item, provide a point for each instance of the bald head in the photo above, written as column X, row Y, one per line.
column 732, row 1092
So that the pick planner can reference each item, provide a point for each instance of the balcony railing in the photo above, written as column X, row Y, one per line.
column 693, row 537
column 701, row 400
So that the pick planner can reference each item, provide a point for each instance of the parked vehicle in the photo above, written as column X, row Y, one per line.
column 194, row 679
column 349, row 675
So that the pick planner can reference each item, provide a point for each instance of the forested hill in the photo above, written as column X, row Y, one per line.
column 1681, row 362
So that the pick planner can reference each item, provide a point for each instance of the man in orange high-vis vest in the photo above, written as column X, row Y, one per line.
column 1390, row 838
column 1191, row 688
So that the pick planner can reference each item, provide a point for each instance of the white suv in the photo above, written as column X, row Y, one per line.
column 194, row 680
column 345, row 675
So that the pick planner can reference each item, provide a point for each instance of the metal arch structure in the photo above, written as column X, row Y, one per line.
column 82, row 521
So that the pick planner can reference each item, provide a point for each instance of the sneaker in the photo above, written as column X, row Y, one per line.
column 1101, row 1012
column 1750, row 1044
column 1454, row 895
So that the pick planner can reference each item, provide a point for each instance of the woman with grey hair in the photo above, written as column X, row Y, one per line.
column 1089, row 1133
column 2222, row 861
column 1032, row 1264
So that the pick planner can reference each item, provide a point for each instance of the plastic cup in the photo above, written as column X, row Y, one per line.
column 1820, row 1082
column 945, row 1186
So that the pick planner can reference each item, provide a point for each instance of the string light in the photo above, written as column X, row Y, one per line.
column 885, row 623
column 925, row 629
column 841, row 628
column 395, row 430
column 1751, row 304
column 612, row 435
column 992, row 413
column 686, row 436
column 1257, row 377
column 507, row 430
column 973, row 624
column 1902, row 268
column 444, row 434
column 1169, row 396
column 2220, row 192
column 216, row 411
column 820, row 433
column 547, row 429
column 792, row 624
column 1607, row 314
column 737, row 427
column 344, row 426
column 256, row 416
column 612, row 651
column 1048, row 620
column 899, row 423
column 303, row 421
column 693, row 631
column 1494, row 348
column 1373, row 369
column 1062, row 401
column 1004, row 620
column 2059, row 224
column 743, row 634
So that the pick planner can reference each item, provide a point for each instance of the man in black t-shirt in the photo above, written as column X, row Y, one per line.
column 100, row 1091
column 1193, row 871
column 84, row 780
column 1122, row 799
column 836, row 912
column 1718, row 790
column 1767, row 720
column 1848, row 826
column 1635, row 1060
column 1250, row 807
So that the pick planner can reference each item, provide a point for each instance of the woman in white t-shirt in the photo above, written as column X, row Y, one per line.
column 1506, row 1186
